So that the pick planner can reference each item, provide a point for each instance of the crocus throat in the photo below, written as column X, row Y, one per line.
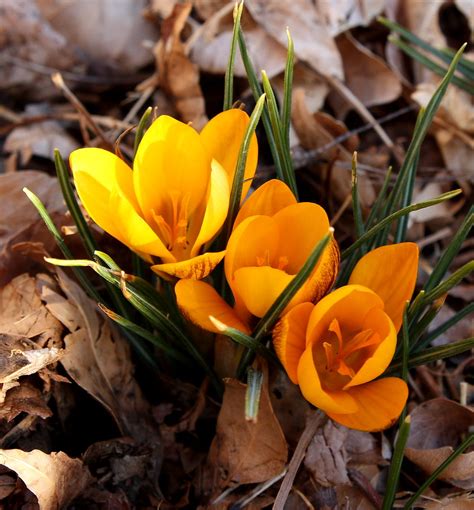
column 280, row 262
column 344, row 353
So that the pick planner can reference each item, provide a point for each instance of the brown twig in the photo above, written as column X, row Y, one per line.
column 361, row 481
column 315, row 421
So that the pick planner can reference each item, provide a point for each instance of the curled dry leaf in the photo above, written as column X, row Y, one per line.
column 24, row 399
column 55, row 479
column 243, row 451
column 19, row 220
column 314, row 43
column 326, row 457
column 176, row 74
column 437, row 427
column 98, row 359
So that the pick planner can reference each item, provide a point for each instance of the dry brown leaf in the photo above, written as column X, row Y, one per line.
column 55, row 479
column 313, row 41
column 441, row 210
column 242, row 451
column 19, row 220
column 326, row 457
column 24, row 399
column 98, row 359
column 362, row 449
column 211, row 50
column 39, row 139
column 437, row 427
column 110, row 34
column 462, row 502
column 366, row 75
column 177, row 75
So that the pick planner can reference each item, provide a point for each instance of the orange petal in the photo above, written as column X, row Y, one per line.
column 171, row 162
column 254, row 242
column 380, row 403
column 391, row 272
column 289, row 338
column 194, row 269
column 312, row 390
column 379, row 322
column 199, row 301
column 266, row 200
column 222, row 137
column 258, row 287
column 301, row 227
column 349, row 305
column 323, row 277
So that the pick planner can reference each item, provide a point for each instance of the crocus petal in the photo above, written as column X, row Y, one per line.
column 254, row 242
column 301, row 226
column 105, row 186
column 329, row 401
column 199, row 301
column 391, row 272
column 348, row 304
column 195, row 269
column 222, row 136
column 289, row 338
column 171, row 161
column 323, row 276
column 266, row 200
column 378, row 321
column 258, row 287
column 380, row 403
column 216, row 209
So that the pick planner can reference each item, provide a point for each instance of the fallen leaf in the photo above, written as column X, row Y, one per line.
column 112, row 34
column 437, row 427
column 314, row 44
column 243, row 451
column 19, row 220
column 39, row 139
column 326, row 457
column 55, row 479
column 462, row 502
column 24, row 399
column 176, row 74
column 97, row 358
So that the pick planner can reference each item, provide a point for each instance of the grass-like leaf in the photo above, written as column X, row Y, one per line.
column 358, row 220
column 287, row 90
column 141, row 128
column 396, row 465
column 278, row 133
column 229, row 74
column 252, row 394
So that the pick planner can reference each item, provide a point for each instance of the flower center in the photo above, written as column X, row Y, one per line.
column 280, row 262
column 344, row 354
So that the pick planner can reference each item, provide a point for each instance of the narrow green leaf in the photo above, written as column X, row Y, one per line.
column 359, row 222
column 434, row 475
column 434, row 354
column 446, row 55
column 405, row 354
column 237, row 183
column 457, row 317
column 252, row 394
column 266, row 323
column 419, row 327
column 287, row 90
column 141, row 128
column 445, row 286
column 154, row 339
column 396, row 465
column 450, row 252
column 278, row 134
column 379, row 201
column 257, row 92
column 229, row 74
column 394, row 216
column 431, row 64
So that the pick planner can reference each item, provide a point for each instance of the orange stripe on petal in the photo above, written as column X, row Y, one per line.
column 199, row 301
column 289, row 338
column 266, row 200
column 194, row 269
column 380, row 403
column 312, row 388
column 391, row 272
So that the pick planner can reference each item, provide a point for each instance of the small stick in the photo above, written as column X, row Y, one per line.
column 315, row 421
